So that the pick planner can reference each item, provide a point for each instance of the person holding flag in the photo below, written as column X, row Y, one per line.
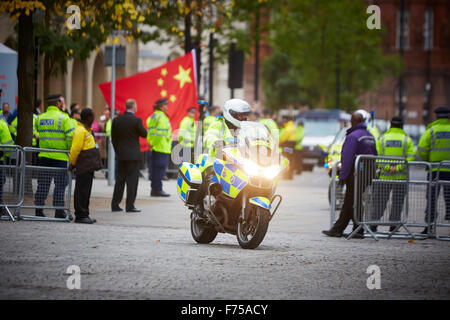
column 159, row 137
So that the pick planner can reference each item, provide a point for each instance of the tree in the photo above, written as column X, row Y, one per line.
column 98, row 19
column 317, row 38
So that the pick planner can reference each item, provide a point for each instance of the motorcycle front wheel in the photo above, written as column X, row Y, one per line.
column 200, row 233
column 251, row 232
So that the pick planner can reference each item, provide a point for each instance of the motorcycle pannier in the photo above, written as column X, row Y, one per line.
column 189, row 180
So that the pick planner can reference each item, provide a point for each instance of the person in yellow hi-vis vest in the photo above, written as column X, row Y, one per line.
column 394, row 142
column 214, row 111
column 288, row 140
column 299, row 147
column 55, row 131
column 5, row 139
column 159, row 136
column 434, row 147
column 186, row 135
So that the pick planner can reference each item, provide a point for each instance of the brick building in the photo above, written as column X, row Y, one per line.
column 426, row 57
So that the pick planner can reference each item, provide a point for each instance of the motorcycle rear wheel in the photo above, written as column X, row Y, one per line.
column 201, row 234
column 254, row 227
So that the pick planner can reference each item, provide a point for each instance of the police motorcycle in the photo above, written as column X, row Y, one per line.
column 240, row 198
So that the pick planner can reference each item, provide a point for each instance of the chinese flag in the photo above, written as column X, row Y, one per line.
column 174, row 80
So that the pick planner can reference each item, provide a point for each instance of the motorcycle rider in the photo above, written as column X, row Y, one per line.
column 221, row 132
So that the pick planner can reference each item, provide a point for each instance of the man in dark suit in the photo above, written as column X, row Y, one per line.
column 125, row 132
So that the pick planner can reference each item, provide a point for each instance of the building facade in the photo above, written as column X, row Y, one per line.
column 426, row 58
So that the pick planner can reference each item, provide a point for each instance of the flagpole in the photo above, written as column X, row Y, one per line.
column 111, row 153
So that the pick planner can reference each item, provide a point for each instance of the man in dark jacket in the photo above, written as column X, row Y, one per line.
column 125, row 132
column 358, row 141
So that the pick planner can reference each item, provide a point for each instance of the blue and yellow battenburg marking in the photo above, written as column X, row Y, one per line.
column 261, row 202
column 230, row 178
column 203, row 162
column 193, row 177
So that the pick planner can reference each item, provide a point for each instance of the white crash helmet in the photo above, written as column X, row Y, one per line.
column 366, row 116
column 235, row 111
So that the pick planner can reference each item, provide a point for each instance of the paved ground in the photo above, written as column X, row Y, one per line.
column 151, row 255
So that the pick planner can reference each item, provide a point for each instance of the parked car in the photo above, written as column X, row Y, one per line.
column 321, row 127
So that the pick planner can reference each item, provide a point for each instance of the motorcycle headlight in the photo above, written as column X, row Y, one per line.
column 251, row 168
column 271, row 172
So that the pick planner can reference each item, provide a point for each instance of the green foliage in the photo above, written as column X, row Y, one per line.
column 315, row 37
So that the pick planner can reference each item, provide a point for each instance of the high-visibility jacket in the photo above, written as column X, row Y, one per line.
column 272, row 126
column 374, row 131
column 434, row 144
column 218, row 130
column 289, row 133
column 5, row 135
column 10, row 127
column 55, row 130
column 186, row 132
column 207, row 122
column 108, row 127
column 35, row 133
column 159, row 132
column 300, row 135
column 395, row 142
column 83, row 139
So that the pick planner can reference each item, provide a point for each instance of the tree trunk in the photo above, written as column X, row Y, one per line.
column 25, row 81
column 47, row 76
column 187, row 29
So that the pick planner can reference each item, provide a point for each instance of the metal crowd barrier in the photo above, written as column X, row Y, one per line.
column 399, row 200
column 46, row 188
column 11, row 180
column 442, row 200
column 336, row 194
column 419, row 187
column 380, row 194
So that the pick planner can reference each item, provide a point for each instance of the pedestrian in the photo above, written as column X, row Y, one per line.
column 394, row 142
column 434, row 147
column 160, row 139
column 288, row 140
column 5, row 139
column 125, row 132
column 5, row 112
column 186, row 135
column 358, row 141
column 213, row 111
column 85, row 159
column 55, row 131
column 299, row 147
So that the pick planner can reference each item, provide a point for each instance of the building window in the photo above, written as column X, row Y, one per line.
column 428, row 30
column 405, row 35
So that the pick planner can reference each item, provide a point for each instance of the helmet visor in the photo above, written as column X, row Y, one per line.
column 241, row 116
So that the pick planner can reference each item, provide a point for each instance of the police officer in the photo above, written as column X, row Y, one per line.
column 55, row 131
column 186, row 134
column 434, row 147
column 268, row 121
column 5, row 139
column 160, row 139
column 224, row 130
column 370, row 126
column 394, row 142
column 299, row 147
column 288, row 140
column 214, row 111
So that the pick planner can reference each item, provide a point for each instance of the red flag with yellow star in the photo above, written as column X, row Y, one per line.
column 174, row 80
